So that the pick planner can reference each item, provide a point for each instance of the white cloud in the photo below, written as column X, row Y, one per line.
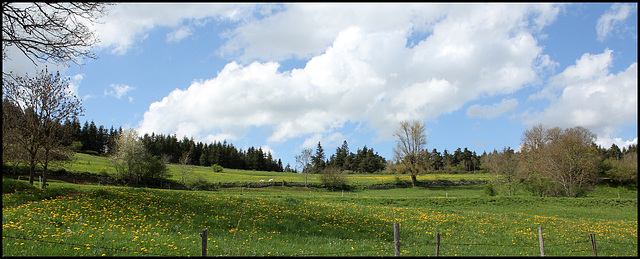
column 74, row 84
column 606, row 142
column 588, row 95
column 612, row 18
column 179, row 34
column 492, row 111
column 128, row 23
column 118, row 91
column 362, row 71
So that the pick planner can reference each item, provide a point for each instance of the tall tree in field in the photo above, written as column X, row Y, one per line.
column 303, row 161
column 51, row 31
column 44, row 102
column 411, row 142
column 184, row 165
column 128, row 156
column 317, row 160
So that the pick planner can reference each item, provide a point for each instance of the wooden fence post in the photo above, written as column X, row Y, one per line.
column 541, row 241
column 593, row 244
column 437, row 244
column 396, row 237
column 204, row 242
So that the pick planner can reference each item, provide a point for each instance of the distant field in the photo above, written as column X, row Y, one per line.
column 98, row 164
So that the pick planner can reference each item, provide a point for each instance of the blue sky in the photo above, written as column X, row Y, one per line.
column 286, row 76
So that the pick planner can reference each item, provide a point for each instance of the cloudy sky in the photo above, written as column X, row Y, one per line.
column 287, row 76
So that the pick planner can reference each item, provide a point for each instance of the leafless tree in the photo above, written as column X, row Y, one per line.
column 40, row 105
column 56, row 31
column 409, row 151
column 184, row 165
column 567, row 157
column 503, row 164
column 303, row 161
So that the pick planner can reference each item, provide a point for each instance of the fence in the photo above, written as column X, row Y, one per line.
column 397, row 245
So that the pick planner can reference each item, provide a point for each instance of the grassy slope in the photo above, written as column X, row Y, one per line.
column 97, row 164
column 310, row 221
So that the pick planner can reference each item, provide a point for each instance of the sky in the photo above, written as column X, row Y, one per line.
column 284, row 77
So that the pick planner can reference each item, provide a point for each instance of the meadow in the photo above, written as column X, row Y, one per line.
column 89, row 220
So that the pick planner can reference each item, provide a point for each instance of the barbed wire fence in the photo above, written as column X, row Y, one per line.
column 395, row 246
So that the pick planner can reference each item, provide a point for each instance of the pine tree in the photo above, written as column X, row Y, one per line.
column 317, row 161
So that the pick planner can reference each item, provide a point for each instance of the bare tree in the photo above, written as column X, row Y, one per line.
column 303, row 161
column 503, row 163
column 40, row 105
column 184, row 165
column 50, row 30
column 409, row 151
column 567, row 157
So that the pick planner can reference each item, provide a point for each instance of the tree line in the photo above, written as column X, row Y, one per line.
column 97, row 140
column 551, row 161
column 365, row 160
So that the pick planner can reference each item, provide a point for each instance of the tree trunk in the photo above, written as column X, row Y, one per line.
column 413, row 180
column 32, row 173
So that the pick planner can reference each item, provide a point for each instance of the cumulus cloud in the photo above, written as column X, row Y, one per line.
column 492, row 111
column 129, row 23
column 587, row 94
column 367, row 72
column 612, row 18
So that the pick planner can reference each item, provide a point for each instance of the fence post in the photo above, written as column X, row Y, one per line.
column 541, row 242
column 204, row 242
column 437, row 244
column 396, row 237
column 593, row 244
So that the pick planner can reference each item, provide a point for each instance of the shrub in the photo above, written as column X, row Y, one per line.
column 489, row 190
column 333, row 178
column 217, row 168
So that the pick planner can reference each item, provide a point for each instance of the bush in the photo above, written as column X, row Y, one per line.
column 489, row 190
column 217, row 168
column 201, row 185
column 334, row 178
column 11, row 186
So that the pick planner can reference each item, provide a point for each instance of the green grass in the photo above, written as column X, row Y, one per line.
column 100, row 165
column 89, row 220
column 123, row 221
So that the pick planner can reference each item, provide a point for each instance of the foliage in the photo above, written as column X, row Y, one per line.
column 11, row 186
column 624, row 170
column 217, row 168
column 365, row 160
column 489, row 190
column 568, row 157
column 133, row 165
column 410, row 148
column 35, row 108
column 334, row 178
column 318, row 160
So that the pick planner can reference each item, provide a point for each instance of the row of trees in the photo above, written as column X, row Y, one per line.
column 551, row 161
column 560, row 162
column 98, row 140
column 171, row 150
column 365, row 160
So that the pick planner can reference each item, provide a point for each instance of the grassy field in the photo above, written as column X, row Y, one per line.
column 89, row 220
